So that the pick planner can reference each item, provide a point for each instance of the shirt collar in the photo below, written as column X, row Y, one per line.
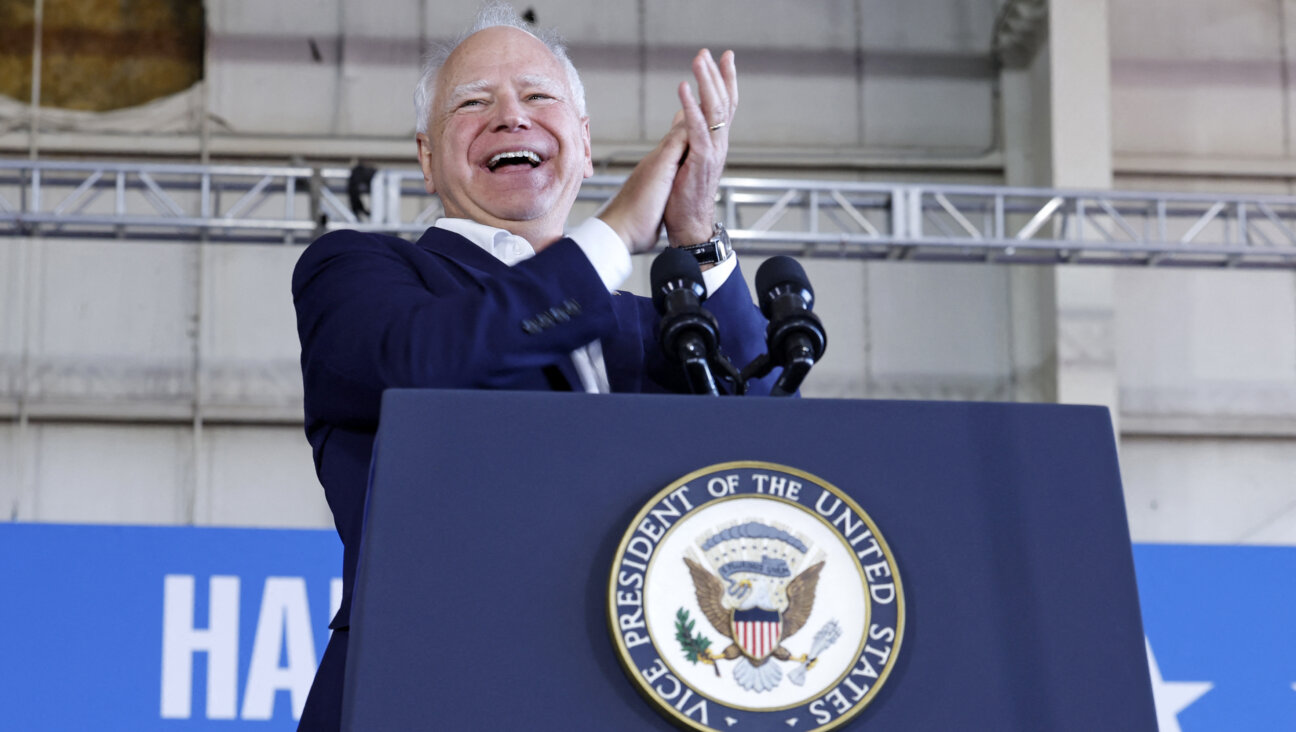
column 499, row 243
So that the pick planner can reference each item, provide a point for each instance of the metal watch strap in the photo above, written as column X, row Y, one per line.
column 713, row 251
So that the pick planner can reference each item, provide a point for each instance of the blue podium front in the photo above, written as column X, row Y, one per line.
column 495, row 518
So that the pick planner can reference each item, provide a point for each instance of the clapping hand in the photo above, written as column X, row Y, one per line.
column 690, row 212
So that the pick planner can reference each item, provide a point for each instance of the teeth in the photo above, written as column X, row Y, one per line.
column 526, row 155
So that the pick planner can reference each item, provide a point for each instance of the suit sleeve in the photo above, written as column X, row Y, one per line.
column 375, row 312
column 742, row 328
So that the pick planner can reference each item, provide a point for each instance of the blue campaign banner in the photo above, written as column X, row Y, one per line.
column 145, row 628
column 1220, row 623
column 149, row 628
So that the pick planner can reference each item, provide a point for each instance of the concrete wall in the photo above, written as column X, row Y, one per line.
column 1182, row 71
column 236, row 475
column 845, row 74
column 152, row 383
column 333, row 79
column 1202, row 101
column 155, row 382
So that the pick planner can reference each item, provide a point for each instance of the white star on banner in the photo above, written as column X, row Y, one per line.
column 1172, row 697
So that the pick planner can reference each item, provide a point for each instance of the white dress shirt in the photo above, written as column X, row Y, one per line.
column 605, row 251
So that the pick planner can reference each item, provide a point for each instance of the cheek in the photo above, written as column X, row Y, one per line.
column 561, row 124
column 456, row 143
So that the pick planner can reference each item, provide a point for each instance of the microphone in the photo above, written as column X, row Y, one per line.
column 795, row 335
column 687, row 333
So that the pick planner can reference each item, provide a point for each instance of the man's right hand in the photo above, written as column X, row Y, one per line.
column 635, row 213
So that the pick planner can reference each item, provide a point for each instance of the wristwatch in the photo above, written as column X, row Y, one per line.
column 714, row 250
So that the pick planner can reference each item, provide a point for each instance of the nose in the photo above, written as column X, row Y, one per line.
column 511, row 115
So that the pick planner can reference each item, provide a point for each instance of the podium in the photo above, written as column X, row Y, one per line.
column 494, row 518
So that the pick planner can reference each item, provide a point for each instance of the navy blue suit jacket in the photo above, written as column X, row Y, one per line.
column 376, row 312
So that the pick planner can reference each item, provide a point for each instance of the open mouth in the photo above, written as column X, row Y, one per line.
column 513, row 157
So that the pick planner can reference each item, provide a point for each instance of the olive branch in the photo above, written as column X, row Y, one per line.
column 695, row 647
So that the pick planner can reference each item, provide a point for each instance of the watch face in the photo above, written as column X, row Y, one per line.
column 705, row 253
column 714, row 251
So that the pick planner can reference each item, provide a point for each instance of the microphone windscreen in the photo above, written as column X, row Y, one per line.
column 673, row 265
column 777, row 271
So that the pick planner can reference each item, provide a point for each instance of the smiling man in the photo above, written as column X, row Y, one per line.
column 497, row 294
column 506, row 143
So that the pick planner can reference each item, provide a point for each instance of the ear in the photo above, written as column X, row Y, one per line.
column 425, row 160
column 589, row 154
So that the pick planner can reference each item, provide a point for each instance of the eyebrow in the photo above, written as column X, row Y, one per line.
column 546, row 83
column 539, row 81
column 463, row 90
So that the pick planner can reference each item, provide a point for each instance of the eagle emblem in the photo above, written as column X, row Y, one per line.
column 755, row 598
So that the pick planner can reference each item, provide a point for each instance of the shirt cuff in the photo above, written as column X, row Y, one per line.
column 604, row 249
column 716, row 276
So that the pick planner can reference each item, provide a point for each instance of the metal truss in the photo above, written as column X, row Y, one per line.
column 810, row 218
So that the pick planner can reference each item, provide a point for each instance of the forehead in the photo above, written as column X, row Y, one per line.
column 497, row 54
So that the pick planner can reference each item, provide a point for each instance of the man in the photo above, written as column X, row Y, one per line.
column 495, row 295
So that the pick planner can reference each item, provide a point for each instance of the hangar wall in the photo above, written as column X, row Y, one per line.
column 157, row 382
column 1202, row 101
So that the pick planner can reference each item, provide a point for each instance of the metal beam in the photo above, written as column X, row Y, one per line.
column 813, row 218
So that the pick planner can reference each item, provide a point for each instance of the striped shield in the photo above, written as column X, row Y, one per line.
column 757, row 632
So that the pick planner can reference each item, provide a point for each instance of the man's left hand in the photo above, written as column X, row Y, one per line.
column 690, row 211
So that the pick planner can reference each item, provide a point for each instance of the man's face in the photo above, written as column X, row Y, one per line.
column 505, row 144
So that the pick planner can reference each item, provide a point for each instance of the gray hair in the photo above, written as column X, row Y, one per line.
column 493, row 14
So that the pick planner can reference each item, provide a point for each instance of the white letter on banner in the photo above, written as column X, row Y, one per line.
column 181, row 640
column 284, row 616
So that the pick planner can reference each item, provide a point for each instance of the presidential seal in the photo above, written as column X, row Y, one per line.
column 754, row 596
